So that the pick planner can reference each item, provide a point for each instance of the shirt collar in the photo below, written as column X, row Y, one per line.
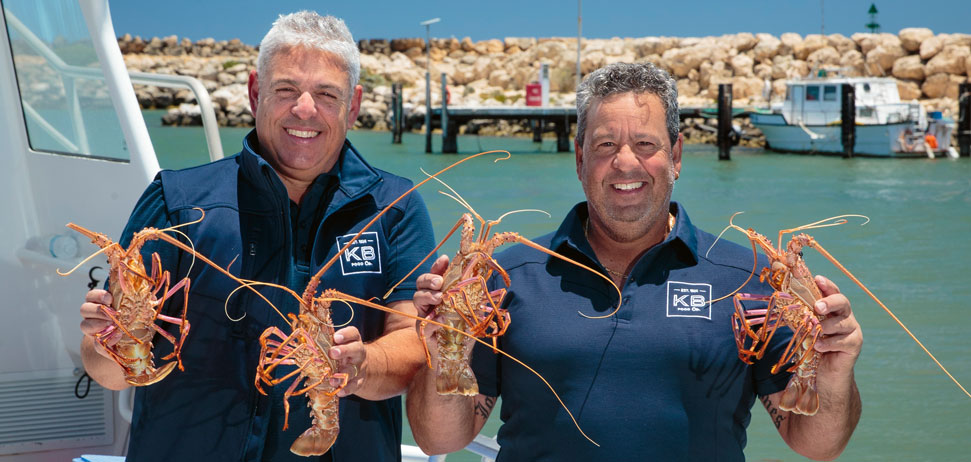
column 355, row 175
column 683, row 238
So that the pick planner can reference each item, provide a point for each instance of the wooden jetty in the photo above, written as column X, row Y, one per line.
column 450, row 117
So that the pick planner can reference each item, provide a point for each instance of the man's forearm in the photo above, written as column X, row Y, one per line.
column 391, row 363
column 103, row 370
column 825, row 435
column 440, row 424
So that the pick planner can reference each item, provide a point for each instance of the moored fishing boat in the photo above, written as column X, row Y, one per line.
column 809, row 120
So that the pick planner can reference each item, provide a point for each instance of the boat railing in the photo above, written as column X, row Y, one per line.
column 898, row 112
column 482, row 445
column 209, row 123
column 72, row 74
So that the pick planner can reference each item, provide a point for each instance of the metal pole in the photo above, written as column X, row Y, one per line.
column 428, row 82
column 822, row 19
column 579, row 35
column 428, row 100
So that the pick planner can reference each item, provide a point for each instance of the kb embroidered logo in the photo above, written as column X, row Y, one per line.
column 689, row 300
column 363, row 256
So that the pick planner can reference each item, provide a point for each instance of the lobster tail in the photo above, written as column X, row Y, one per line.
column 455, row 377
column 800, row 396
column 314, row 442
column 150, row 375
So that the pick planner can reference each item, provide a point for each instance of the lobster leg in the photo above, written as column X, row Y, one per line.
column 742, row 323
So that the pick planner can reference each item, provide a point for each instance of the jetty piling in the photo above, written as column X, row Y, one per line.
column 725, row 121
column 848, row 119
column 396, row 113
column 450, row 131
column 964, row 119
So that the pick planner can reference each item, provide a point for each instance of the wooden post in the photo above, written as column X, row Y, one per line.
column 724, row 121
column 964, row 119
column 537, row 130
column 848, row 119
column 449, row 135
column 563, row 134
column 396, row 114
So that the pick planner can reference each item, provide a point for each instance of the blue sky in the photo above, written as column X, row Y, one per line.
column 480, row 20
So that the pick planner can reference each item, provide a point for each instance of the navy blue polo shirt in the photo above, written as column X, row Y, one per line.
column 660, row 380
column 211, row 411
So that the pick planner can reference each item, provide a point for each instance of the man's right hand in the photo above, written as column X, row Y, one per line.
column 94, row 320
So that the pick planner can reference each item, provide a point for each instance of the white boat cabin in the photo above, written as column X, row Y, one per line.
column 817, row 101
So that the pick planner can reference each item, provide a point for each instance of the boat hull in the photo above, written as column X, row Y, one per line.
column 882, row 140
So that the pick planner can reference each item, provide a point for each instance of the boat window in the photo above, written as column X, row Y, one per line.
column 829, row 93
column 65, row 100
column 812, row 93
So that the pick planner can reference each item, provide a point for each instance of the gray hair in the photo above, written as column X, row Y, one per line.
column 621, row 78
column 311, row 30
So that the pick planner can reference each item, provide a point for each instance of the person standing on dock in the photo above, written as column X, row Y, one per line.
column 660, row 379
column 278, row 210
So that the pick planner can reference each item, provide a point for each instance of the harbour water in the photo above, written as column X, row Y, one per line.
column 913, row 254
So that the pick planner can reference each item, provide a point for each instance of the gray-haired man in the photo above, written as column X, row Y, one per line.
column 660, row 379
column 279, row 209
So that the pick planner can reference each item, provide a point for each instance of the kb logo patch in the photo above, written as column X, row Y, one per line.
column 363, row 256
column 688, row 300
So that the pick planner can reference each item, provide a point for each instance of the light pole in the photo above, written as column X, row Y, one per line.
column 428, row 82
column 579, row 29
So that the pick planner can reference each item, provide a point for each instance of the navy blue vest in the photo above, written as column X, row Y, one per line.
column 211, row 411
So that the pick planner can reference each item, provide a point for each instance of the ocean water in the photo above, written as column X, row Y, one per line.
column 913, row 254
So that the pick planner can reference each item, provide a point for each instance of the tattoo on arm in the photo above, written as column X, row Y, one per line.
column 775, row 413
column 484, row 407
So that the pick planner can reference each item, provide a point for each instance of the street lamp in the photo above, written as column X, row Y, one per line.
column 579, row 37
column 428, row 82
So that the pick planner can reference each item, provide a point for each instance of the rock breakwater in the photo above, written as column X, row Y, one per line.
column 927, row 67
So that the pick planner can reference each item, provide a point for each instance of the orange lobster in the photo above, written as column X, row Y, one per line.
column 306, row 347
column 136, row 304
column 468, row 306
column 791, row 304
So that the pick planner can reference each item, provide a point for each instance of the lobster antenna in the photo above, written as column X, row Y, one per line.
column 465, row 334
column 191, row 246
column 498, row 220
column 457, row 197
column 101, row 250
column 349, row 307
column 175, row 229
column 388, row 207
column 755, row 255
column 730, row 226
column 751, row 274
column 824, row 223
column 845, row 271
column 249, row 285
column 438, row 246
